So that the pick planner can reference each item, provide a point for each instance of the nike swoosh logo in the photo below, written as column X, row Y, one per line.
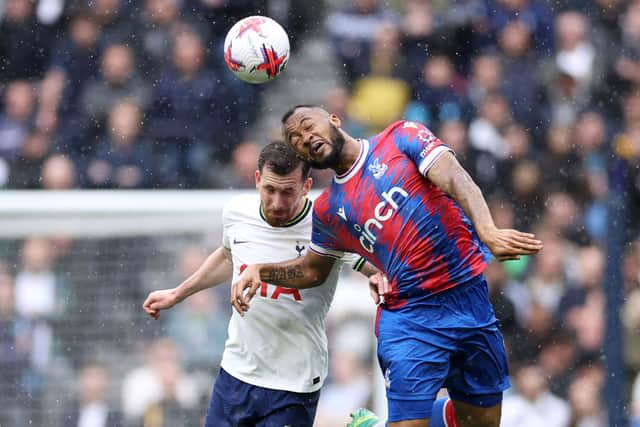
column 237, row 242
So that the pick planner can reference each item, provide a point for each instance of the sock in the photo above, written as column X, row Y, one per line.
column 443, row 414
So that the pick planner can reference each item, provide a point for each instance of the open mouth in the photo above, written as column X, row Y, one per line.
column 317, row 146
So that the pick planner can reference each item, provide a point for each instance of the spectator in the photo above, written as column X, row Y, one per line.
column 438, row 92
column 560, row 161
column 199, row 328
column 37, row 301
column 118, row 81
column 558, row 358
column 575, row 54
column 419, row 36
column 19, row 104
column 349, row 388
column 486, row 78
column 584, row 397
column 526, row 182
column 15, row 355
column 561, row 215
column 589, row 274
column 569, row 79
column 627, row 147
column 534, row 14
column 630, row 314
column 534, row 404
column 91, row 407
column 519, row 69
column 25, row 169
column 122, row 158
column 114, row 20
column 156, row 23
column 36, row 283
column 589, row 136
column 241, row 171
column 547, row 282
column 502, row 304
column 379, row 94
column 353, row 30
column 24, row 42
column 218, row 16
column 627, row 66
column 58, row 173
column 337, row 101
column 161, row 387
column 190, row 105
column 74, row 62
column 486, row 132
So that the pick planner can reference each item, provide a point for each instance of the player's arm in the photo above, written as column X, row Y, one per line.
column 216, row 269
column 448, row 175
column 301, row 273
column 378, row 283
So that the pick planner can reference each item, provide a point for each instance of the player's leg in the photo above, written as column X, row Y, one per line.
column 477, row 416
column 230, row 403
column 284, row 408
column 443, row 414
column 414, row 362
column 479, row 372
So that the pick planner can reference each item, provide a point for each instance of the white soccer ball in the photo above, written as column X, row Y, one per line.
column 256, row 49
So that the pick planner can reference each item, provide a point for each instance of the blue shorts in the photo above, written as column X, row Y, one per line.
column 235, row 403
column 450, row 340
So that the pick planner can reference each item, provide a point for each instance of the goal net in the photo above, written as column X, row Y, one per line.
column 75, row 268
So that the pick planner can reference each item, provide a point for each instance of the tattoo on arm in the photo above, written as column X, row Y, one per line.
column 279, row 275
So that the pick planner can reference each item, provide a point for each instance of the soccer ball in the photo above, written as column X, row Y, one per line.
column 256, row 49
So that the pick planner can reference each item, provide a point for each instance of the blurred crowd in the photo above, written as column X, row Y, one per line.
column 540, row 101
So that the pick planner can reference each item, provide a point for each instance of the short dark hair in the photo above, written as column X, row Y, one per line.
column 280, row 158
column 290, row 113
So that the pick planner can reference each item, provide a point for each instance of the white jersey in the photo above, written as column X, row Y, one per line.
column 280, row 343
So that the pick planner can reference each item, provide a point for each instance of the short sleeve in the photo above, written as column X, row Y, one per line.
column 420, row 144
column 354, row 261
column 323, row 238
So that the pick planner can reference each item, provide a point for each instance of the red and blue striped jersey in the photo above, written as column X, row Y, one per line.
column 385, row 209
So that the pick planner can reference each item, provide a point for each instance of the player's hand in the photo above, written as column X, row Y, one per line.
column 379, row 287
column 507, row 244
column 245, row 288
column 159, row 300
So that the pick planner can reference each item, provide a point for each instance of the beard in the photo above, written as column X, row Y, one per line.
column 337, row 141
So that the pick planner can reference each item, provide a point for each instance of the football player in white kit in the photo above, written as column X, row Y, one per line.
column 275, row 358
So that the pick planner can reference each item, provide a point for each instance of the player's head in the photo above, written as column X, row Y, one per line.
column 314, row 134
column 283, row 182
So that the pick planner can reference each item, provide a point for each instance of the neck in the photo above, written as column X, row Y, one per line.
column 349, row 154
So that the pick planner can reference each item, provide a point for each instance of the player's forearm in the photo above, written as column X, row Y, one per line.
column 470, row 198
column 216, row 269
column 292, row 274
column 368, row 269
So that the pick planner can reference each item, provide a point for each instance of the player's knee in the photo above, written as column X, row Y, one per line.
column 475, row 416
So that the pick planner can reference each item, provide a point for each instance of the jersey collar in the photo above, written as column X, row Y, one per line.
column 296, row 219
column 356, row 166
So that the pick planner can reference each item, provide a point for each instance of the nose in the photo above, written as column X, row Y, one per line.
column 278, row 203
column 307, row 137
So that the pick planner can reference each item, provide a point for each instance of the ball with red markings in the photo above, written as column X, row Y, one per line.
column 256, row 49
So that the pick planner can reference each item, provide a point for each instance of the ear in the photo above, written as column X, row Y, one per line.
column 335, row 120
column 257, row 178
column 307, row 186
